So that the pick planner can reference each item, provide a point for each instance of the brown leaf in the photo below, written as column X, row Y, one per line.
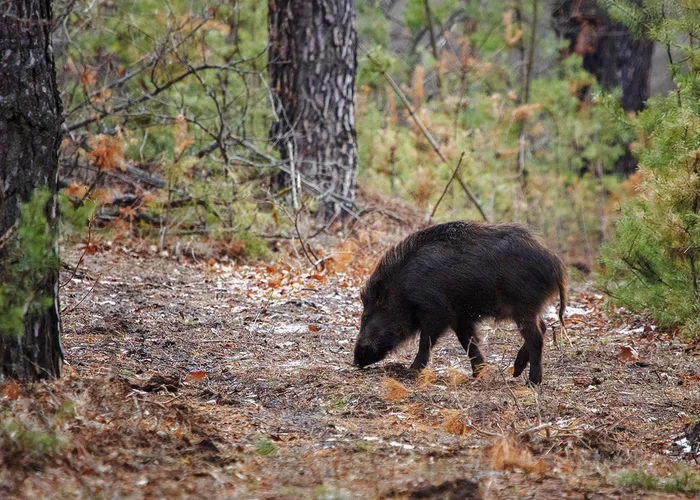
column 313, row 328
column 11, row 390
column 196, row 376
column 522, row 113
column 627, row 354
column 183, row 139
column 107, row 151
column 88, row 77
column 76, row 190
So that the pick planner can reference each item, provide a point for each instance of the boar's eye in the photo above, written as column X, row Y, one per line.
column 364, row 319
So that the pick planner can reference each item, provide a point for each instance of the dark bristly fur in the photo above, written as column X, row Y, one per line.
column 453, row 275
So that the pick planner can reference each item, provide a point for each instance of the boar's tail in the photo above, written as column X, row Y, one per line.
column 562, row 300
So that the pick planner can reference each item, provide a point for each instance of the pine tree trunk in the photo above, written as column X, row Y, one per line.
column 312, row 64
column 609, row 52
column 30, row 134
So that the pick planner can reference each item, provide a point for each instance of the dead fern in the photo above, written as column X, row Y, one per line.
column 394, row 390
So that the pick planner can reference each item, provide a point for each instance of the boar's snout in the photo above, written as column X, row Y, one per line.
column 366, row 354
column 368, row 350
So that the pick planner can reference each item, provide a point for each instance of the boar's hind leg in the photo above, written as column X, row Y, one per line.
column 530, row 330
column 466, row 333
column 521, row 361
column 430, row 329
column 523, row 356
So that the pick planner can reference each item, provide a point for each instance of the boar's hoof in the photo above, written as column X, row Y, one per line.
column 417, row 366
column 478, row 369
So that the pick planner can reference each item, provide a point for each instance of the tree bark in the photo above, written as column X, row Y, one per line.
column 30, row 134
column 609, row 52
column 312, row 64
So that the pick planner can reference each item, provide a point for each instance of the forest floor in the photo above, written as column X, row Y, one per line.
column 193, row 378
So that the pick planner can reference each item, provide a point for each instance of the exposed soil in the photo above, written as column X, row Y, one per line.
column 199, row 379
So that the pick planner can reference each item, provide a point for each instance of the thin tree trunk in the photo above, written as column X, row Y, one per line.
column 433, row 43
column 312, row 64
column 30, row 134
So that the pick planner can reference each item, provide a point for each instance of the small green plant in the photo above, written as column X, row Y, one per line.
column 681, row 480
column 17, row 437
column 339, row 402
column 637, row 479
column 324, row 492
column 266, row 448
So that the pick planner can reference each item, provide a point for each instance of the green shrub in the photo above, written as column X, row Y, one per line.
column 651, row 264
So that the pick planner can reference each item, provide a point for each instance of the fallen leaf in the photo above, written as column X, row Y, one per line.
column 627, row 353
column 313, row 328
column 196, row 376
column 11, row 390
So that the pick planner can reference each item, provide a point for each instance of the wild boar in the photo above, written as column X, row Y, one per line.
column 452, row 276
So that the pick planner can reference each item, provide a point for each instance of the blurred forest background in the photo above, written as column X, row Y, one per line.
column 569, row 114
column 229, row 172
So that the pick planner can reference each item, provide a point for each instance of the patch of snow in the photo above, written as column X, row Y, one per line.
column 283, row 345
column 290, row 328
column 684, row 445
column 370, row 438
column 295, row 364
column 401, row 445
column 552, row 312
column 633, row 331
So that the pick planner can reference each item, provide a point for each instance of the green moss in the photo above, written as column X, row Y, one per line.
column 266, row 448
column 681, row 480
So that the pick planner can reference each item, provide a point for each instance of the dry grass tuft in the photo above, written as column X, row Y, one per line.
column 394, row 390
column 426, row 377
column 455, row 377
column 506, row 454
column 415, row 410
column 453, row 423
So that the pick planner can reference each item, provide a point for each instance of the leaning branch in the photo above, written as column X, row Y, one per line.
column 427, row 134
column 147, row 96
column 447, row 186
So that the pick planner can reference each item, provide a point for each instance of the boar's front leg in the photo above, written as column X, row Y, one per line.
column 530, row 330
column 466, row 333
column 430, row 329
